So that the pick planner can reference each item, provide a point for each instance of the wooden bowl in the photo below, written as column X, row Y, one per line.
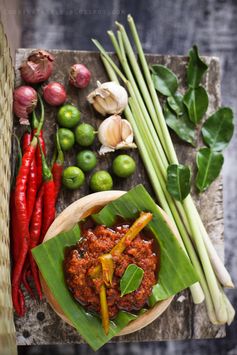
column 78, row 210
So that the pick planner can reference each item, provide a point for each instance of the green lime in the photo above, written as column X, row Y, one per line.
column 68, row 116
column 66, row 138
column 86, row 160
column 124, row 165
column 85, row 134
column 73, row 177
column 101, row 181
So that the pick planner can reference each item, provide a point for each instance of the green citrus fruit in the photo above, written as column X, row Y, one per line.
column 101, row 181
column 68, row 116
column 86, row 160
column 123, row 165
column 66, row 138
column 73, row 177
column 85, row 134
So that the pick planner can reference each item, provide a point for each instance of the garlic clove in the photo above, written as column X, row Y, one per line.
column 126, row 132
column 109, row 131
column 125, row 145
column 103, row 150
column 115, row 133
column 99, row 106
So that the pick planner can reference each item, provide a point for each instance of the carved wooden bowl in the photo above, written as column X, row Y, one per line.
column 78, row 210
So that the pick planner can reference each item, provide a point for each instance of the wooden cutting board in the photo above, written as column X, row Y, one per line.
column 182, row 320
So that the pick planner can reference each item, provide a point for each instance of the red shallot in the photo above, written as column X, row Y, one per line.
column 38, row 67
column 79, row 76
column 54, row 94
column 24, row 102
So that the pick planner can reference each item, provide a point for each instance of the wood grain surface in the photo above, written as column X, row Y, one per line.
column 182, row 320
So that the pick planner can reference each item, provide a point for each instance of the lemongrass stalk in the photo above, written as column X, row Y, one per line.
column 123, row 60
column 142, row 149
column 219, row 268
column 196, row 290
column 111, row 62
column 229, row 308
column 222, row 311
column 119, row 49
column 170, row 151
column 141, row 83
column 145, row 156
column 219, row 306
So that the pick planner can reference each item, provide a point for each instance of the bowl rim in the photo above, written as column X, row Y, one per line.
column 72, row 214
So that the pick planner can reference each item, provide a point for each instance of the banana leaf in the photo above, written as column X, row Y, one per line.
column 175, row 274
column 49, row 257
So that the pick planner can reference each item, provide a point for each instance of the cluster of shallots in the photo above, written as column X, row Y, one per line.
column 36, row 69
column 114, row 132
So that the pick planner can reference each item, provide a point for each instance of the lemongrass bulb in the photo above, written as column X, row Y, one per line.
column 108, row 98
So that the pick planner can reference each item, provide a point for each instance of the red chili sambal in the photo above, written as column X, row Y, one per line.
column 83, row 257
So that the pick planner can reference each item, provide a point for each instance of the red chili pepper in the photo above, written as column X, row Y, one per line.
column 57, row 169
column 38, row 160
column 49, row 196
column 25, row 141
column 26, row 273
column 30, row 201
column 35, row 232
column 22, row 308
column 31, row 188
column 22, row 215
column 32, row 180
column 35, row 124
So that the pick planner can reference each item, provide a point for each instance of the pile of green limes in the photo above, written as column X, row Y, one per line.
column 84, row 134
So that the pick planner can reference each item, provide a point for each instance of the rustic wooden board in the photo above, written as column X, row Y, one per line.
column 182, row 320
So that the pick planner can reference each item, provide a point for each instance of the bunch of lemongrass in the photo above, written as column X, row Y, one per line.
column 145, row 114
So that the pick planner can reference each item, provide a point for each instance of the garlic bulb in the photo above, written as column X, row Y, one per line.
column 115, row 133
column 108, row 98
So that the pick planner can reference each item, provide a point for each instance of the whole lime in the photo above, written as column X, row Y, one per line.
column 101, row 181
column 86, row 160
column 68, row 116
column 66, row 138
column 85, row 134
column 73, row 177
column 123, row 165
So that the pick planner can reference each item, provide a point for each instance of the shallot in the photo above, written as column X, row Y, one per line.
column 24, row 102
column 79, row 76
column 38, row 67
column 54, row 94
